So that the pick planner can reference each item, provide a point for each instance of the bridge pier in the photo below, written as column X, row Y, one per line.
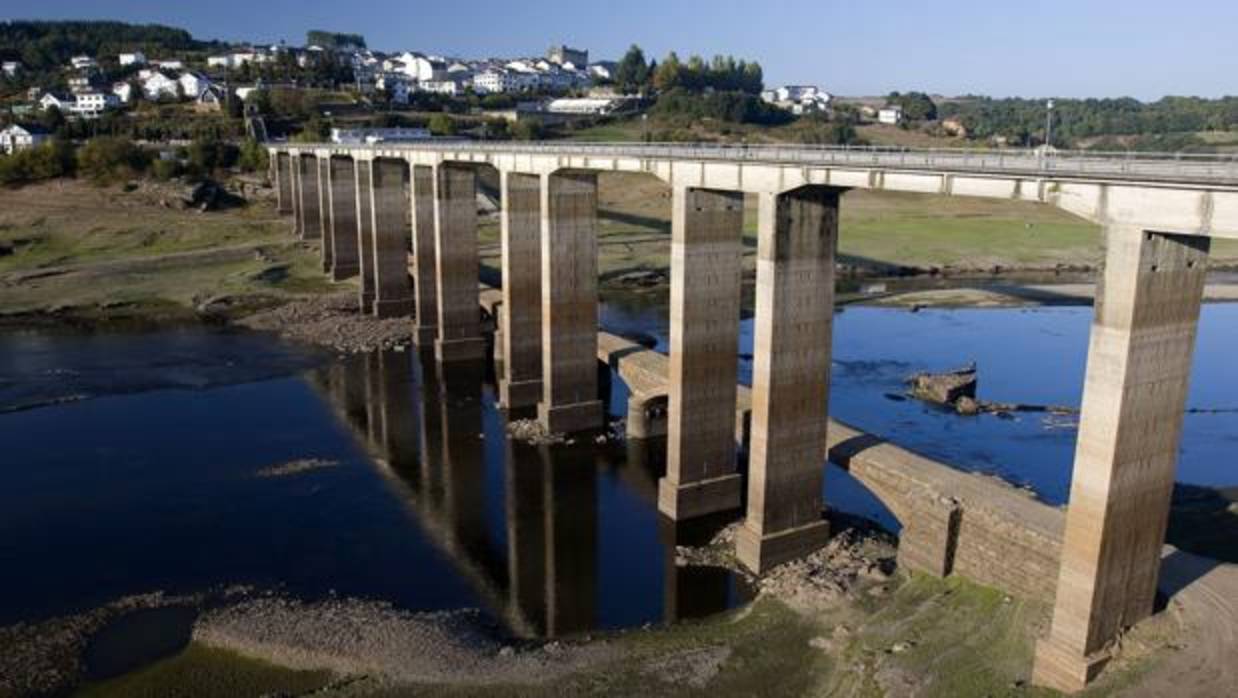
column 365, row 235
column 706, row 251
column 520, row 344
column 455, row 241
column 297, row 222
column 322, row 173
column 797, row 242
column 569, row 303
column 393, row 293
column 283, row 183
column 342, row 187
column 425, row 291
column 310, row 212
column 1139, row 362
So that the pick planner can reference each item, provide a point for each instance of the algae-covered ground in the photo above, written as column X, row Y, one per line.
column 924, row 637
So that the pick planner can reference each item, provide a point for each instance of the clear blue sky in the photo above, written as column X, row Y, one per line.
column 1035, row 48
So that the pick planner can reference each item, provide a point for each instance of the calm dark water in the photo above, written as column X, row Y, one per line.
column 156, row 482
column 143, row 468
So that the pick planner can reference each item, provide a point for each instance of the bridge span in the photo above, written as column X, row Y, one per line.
column 370, row 206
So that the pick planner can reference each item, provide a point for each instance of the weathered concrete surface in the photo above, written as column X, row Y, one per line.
column 706, row 251
column 393, row 290
column 425, row 260
column 1139, row 363
column 520, row 384
column 283, row 183
column 295, row 177
column 796, row 246
column 455, row 243
column 365, row 234
column 343, row 216
column 309, row 223
column 569, row 303
column 322, row 173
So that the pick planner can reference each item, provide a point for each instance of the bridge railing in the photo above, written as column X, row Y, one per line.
column 1178, row 167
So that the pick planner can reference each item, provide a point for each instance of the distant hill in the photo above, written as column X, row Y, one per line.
column 44, row 46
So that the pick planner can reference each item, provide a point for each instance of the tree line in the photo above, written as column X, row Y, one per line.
column 633, row 74
column 113, row 158
column 46, row 46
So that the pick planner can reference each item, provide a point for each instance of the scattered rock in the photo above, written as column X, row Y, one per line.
column 532, row 432
column 900, row 647
column 945, row 388
column 332, row 321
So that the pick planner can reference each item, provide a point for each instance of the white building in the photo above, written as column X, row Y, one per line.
column 81, row 83
column 16, row 137
column 245, row 92
column 604, row 70
column 135, row 58
column 10, row 68
column 192, row 84
column 83, row 63
column 494, row 81
column 160, row 85
column 423, row 68
column 442, row 87
column 91, row 104
column 171, row 64
column 892, row 115
column 60, row 101
column 799, row 99
column 369, row 136
column 123, row 92
column 591, row 106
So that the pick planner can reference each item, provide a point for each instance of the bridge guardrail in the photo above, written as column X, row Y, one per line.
column 1201, row 168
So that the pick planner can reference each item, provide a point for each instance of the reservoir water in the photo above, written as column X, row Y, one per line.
column 188, row 459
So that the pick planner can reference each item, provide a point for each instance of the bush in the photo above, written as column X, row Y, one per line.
column 208, row 154
column 442, row 125
column 528, row 130
column 109, row 157
column 253, row 157
column 163, row 170
column 735, row 107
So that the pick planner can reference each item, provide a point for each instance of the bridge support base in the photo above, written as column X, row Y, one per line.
column 760, row 553
column 566, row 419
column 692, row 499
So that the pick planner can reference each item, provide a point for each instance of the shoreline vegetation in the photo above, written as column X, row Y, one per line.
column 80, row 257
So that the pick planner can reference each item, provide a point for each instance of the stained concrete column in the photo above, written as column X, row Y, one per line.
column 342, row 180
column 1139, row 363
column 456, row 270
column 294, row 170
column 706, row 250
column 393, row 291
column 425, row 282
column 569, row 303
column 365, row 234
column 327, row 251
column 521, row 310
column 310, row 218
column 797, row 242
column 283, row 183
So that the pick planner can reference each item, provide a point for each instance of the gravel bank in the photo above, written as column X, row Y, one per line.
column 332, row 321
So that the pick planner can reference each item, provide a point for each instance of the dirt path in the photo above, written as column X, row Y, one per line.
column 1206, row 602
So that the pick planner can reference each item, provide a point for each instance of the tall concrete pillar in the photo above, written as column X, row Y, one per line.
column 455, row 244
column 365, row 234
column 393, row 291
column 294, row 170
column 310, row 218
column 342, row 178
column 706, row 251
column 798, row 239
column 327, row 251
column 283, row 183
column 1139, row 363
column 521, row 310
column 569, row 303
column 425, row 281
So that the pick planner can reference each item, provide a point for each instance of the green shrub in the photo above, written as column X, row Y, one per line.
column 163, row 170
column 108, row 158
column 47, row 161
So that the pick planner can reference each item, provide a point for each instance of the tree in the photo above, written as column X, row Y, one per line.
column 917, row 106
column 442, row 125
column 632, row 73
column 668, row 74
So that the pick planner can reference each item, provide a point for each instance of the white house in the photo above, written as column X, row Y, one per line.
column 91, row 104
column 422, row 68
column 160, row 85
column 171, row 64
column 442, row 87
column 192, row 84
column 83, row 63
column 81, row 83
column 17, row 137
column 10, row 68
column 892, row 115
column 604, row 70
column 123, row 92
column 799, row 99
column 224, row 61
column 61, row 101
column 135, row 58
column 495, row 81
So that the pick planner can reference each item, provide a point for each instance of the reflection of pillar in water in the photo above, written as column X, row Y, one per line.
column 355, row 385
column 399, row 445
column 691, row 591
column 430, row 431
column 373, row 400
column 526, row 534
column 570, row 514
column 464, row 472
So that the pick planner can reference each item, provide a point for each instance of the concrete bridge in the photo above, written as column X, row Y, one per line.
column 370, row 205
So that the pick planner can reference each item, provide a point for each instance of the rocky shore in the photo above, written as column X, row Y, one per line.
column 331, row 321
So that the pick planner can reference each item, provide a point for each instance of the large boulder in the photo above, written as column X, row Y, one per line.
column 945, row 388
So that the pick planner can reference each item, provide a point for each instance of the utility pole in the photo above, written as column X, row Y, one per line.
column 1048, row 125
